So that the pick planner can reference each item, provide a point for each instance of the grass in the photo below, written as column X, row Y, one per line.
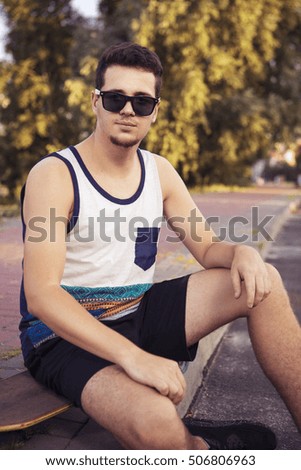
column 219, row 188
column 290, row 188
column 4, row 356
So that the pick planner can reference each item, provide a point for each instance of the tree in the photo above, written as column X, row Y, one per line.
column 117, row 17
column 34, row 114
column 214, row 119
column 282, row 86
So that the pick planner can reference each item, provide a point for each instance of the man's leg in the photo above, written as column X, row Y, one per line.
column 274, row 330
column 138, row 416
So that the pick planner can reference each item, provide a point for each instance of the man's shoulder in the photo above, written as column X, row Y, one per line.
column 167, row 174
column 162, row 163
column 50, row 164
column 48, row 176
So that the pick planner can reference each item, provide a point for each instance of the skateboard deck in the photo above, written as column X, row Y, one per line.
column 24, row 403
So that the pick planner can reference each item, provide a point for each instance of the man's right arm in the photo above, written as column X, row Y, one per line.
column 49, row 186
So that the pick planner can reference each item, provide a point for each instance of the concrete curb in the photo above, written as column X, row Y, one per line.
column 280, row 221
column 195, row 372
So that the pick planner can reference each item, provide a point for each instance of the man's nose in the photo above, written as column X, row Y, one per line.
column 128, row 109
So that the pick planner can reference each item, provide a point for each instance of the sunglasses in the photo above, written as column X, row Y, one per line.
column 115, row 102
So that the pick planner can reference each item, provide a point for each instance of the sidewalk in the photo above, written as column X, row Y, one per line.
column 234, row 386
column 220, row 393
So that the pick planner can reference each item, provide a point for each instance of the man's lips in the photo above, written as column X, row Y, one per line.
column 126, row 123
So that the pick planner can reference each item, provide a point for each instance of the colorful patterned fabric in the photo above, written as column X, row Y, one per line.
column 111, row 246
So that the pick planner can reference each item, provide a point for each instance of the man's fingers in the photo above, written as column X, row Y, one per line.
column 267, row 285
column 260, row 293
column 174, row 391
column 174, row 385
column 236, row 282
column 250, row 286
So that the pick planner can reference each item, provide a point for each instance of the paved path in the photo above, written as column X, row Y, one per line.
column 73, row 430
column 235, row 387
column 10, row 274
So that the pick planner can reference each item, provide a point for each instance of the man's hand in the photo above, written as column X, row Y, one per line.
column 248, row 266
column 160, row 373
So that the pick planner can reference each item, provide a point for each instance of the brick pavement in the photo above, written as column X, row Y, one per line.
column 10, row 275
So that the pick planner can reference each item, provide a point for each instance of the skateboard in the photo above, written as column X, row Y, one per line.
column 24, row 403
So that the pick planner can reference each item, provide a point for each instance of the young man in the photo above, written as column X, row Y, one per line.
column 95, row 328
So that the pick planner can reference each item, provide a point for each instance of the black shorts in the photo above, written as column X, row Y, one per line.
column 157, row 326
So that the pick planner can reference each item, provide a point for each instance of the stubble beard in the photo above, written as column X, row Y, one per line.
column 122, row 143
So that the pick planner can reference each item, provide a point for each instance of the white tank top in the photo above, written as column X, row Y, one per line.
column 111, row 243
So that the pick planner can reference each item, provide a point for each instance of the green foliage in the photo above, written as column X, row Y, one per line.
column 117, row 16
column 45, row 86
column 216, row 115
column 232, row 80
column 33, row 115
column 283, row 83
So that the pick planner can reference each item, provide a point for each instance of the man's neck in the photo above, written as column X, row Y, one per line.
column 106, row 156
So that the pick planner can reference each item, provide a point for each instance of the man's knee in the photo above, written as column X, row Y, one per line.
column 277, row 286
column 278, row 293
column 273, row 273
column 159, row 427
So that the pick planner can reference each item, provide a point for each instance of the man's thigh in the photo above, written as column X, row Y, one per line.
column 136, row 414
column 211, row 303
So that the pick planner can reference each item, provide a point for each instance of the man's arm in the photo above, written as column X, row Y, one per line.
column 49, row 186
column 185, row 218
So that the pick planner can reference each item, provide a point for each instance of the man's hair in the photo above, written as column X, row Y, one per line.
column 129, row 54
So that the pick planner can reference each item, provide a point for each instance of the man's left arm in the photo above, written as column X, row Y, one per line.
column 184, row 217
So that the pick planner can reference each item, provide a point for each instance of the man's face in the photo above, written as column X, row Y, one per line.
column 125, row 128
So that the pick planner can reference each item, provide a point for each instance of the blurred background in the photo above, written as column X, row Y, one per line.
column 231, row 107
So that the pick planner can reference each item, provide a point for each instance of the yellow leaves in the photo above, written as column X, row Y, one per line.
column 52, row 147
column 79, row 96
column 20, row 9
column 194, row 95
column 23, row 70
column 23, row 131
column 225, row 67
column 168, row 11
column 163, row 17
column 41, row 122
column 26, row 128
column 31, row 86
column 212, row 51
column 228, row 142
column 4, row 101
column 38, row 89
column 88, row 66
column 77, row 90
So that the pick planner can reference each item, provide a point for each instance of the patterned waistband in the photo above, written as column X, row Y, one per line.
column 109, row 308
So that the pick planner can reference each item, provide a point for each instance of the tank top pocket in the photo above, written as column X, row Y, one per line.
column 146, row 246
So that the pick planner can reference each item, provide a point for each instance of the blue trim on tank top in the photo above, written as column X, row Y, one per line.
column 104, row 193
column 74, row 218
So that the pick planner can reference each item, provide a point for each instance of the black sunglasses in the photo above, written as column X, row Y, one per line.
column 115, row 102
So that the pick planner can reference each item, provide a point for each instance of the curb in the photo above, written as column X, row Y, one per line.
column 196, row 370
column 280, row 221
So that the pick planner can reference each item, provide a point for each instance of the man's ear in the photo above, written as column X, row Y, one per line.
column 154, row 118
column 94, row 99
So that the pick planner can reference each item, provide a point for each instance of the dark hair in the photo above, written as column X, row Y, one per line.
column 129, row 54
